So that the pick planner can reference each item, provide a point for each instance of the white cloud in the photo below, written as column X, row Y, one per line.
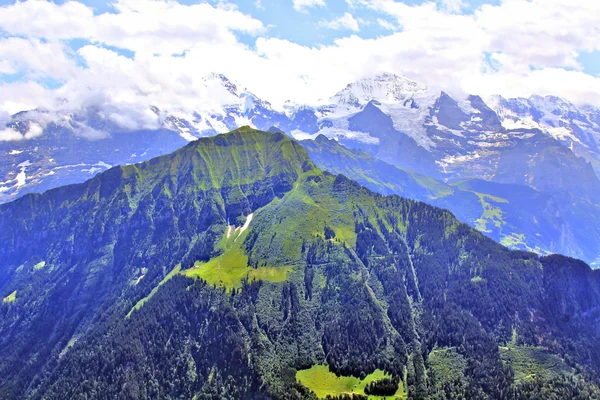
column 8, row 67
column 4, row 117
column 48, row 20
column 519, row 34
column 304, row 5
column 452, row 5
column 169, row 27
column 386, row 24
column 356, row 3
column 11, row 135
column 153, row 26
column 445, row 50
column 346, row 21
column 20, row 96
column 544, row 33
column 36, row 57
column 34, row 131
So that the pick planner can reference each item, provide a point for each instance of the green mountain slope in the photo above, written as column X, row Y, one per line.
column 388, row 179
column 517, row 216
column 225, row 268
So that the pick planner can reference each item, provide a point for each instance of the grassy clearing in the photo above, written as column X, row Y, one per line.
column 39, row 265
column 314, row 208
column 491, row 213
column 529, row 362
column 231, row 267
column 318, row 203
column 10, row 298
column 226, row 270
column 446, row 364
column 269, row 274
column 512, row 240
column 323, row 382
column 70, row 344
column 143, row 301
column 300, row 216
column 519, row 241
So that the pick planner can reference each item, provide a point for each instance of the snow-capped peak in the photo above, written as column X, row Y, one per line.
column 553, row 115
column 384, row 88
column 552, row 104
column 217, row 89
column 221, row 91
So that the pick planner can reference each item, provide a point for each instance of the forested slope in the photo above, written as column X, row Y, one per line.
column 223, row 269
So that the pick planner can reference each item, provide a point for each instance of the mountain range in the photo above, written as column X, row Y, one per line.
column 517, row 216
column 235, row 268
column 523, row 171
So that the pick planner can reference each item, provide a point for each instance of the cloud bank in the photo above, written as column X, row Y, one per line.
column 155, row 52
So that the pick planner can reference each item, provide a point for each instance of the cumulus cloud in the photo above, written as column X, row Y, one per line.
column 37, row 57
column 20, row 96
column 47, row 19
column 174, row 45
column 529, row 40
column 9, row 134
column 453, row 5
column 386, row 24
column 8, row 67
column 544, row 33
column 534, row 45
column 346, row 21
column 356, row 3
column 152, row 26
column 304, row 5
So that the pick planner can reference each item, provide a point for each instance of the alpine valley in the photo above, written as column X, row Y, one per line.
column 236, row 268
column 522, row 171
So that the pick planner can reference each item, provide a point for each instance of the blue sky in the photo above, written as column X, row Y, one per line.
column 282, row 51
column 590, row 60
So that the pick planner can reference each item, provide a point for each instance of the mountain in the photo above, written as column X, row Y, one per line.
column 52, row 148
column 517, row 216
column 577, row 128
column 405, row 124
column 63, row 156
column 421, row 132
column 543, row 142
column 381, row 177
column 235, row 268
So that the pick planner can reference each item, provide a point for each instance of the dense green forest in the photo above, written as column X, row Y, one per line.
column 225, row 269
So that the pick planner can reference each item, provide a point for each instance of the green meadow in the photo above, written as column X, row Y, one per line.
column 323, row 382
column 11, row 297
column 230, row 268
column 529, row 362
column 39, row 265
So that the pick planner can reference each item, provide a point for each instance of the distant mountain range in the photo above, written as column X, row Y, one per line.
column 509, row 157
column 517, row 216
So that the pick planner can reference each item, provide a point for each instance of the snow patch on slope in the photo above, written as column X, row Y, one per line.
column 21, row 178
column 411, row 121
column 237, row 231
